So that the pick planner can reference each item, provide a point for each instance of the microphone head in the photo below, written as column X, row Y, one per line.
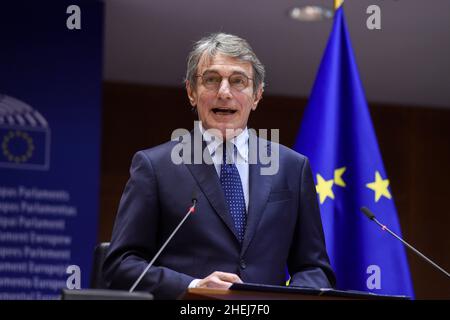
column 194, row 196
column 368, row 213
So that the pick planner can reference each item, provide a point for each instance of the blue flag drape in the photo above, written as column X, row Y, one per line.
column 338, row 137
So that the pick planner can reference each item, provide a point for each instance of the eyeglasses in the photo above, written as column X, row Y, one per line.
column 212, row 80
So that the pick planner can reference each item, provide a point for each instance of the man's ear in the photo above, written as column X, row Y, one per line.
column 258, row 96
column 191, row 94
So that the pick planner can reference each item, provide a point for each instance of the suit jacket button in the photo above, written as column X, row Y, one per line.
column 243, row 264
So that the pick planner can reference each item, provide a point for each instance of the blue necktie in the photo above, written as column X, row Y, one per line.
column 234, row 195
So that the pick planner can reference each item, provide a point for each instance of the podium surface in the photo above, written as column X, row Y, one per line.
column 251, row 291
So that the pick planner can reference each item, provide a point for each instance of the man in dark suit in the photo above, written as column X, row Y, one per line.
column 249, row 224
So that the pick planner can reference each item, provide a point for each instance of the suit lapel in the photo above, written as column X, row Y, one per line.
column 260, row 187
column 209, row 183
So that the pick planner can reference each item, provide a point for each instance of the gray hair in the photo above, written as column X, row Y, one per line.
column 229, row 45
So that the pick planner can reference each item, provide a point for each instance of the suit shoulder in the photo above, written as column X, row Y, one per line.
column 156, row 153
column 288, row 153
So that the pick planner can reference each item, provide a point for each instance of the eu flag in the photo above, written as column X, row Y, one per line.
column 338, row 137
column 24, row 147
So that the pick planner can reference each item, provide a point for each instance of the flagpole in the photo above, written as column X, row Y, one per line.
column 337, row 4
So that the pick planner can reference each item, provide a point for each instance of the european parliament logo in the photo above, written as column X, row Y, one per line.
column 24, row 136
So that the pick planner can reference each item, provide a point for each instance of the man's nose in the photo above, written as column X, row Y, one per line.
column 224, row 90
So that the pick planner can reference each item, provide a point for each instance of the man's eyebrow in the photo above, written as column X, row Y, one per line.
column 233, row 72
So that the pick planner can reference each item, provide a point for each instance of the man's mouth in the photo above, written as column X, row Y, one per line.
column 223, row 111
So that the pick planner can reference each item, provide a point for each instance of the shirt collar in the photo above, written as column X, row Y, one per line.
column 213, row 142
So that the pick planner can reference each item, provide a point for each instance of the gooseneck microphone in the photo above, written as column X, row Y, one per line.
column 369, row 214
column 191, row 210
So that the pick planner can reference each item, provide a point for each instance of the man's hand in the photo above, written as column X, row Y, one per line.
column 219, row 280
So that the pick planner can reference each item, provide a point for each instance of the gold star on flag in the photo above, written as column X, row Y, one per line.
column 380, row 187
column 323, row 188
column 338, row 176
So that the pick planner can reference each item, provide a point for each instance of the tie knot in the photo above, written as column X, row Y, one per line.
column 229, row 152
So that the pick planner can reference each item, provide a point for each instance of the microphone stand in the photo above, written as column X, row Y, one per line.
column 191, row 210
column 371, row 216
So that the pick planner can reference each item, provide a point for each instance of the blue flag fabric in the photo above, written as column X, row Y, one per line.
column 338, row 137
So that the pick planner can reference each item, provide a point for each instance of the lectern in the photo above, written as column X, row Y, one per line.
column 251, row 291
